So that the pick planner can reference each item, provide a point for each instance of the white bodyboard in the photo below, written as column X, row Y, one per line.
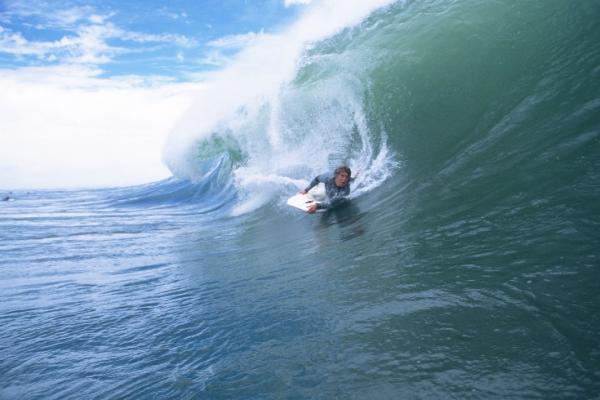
column 301, row 201
column 304, row 201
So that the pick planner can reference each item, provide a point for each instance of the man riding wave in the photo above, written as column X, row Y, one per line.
column 337, row 187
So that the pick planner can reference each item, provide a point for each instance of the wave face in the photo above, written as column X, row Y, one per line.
column 465, row 265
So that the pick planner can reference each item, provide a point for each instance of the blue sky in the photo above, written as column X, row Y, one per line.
column 171, row 39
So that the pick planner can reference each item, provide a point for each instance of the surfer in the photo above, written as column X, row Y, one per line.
column 336, row 187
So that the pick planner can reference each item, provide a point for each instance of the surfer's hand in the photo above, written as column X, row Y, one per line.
column 312, row 209
column 302, row 192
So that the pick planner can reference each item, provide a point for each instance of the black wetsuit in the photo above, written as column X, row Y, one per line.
column 335, row 194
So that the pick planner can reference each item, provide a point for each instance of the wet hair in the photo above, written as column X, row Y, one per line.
column 343, row 168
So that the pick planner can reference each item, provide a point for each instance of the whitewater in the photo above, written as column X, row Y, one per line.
column 464, row 266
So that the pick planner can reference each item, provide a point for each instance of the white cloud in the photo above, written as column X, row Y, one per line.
column 86, row 38
column 179, row 40
column 220, row 53
column 172, row 14
column 98, row 19
column 293, row 2
column 51, row 17
column 88, row 46
column 214, row 58
column 64, row 127
column 235, row 41
column 70, row 16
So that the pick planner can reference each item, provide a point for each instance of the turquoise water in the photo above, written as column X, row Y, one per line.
column 465, row 266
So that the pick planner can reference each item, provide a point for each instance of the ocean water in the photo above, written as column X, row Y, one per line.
column 466, row 264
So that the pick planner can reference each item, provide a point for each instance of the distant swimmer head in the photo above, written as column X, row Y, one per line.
column 342, row 175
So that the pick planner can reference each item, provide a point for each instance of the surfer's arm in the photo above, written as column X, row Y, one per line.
column 318, row 206
column 313, row 183
column 332, row 202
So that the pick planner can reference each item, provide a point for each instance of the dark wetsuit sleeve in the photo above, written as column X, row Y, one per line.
column 313, row 183
column 323, row 205
column 335, row 195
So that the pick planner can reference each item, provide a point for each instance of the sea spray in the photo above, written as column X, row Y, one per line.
column 274, row 126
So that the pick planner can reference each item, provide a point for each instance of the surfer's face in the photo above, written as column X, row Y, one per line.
column 341, row 179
